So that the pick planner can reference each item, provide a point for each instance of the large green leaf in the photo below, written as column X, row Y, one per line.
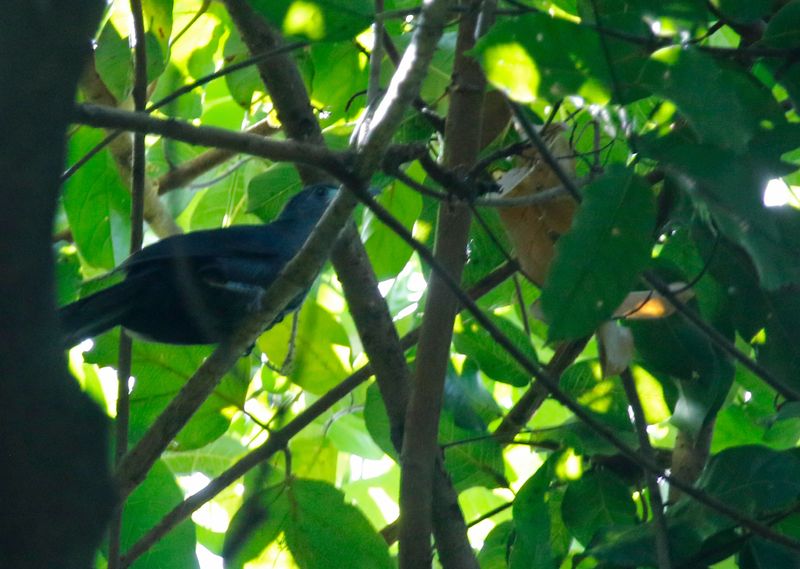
column 704, row 375
column 595, row 501
column 339, row 75
column 744, row 11
column 268, row 192
column 731, row 185
column 783, row 31
column 598, row 260
column 329, row 20
column 779, row 350
column 160, row 371
column 114, row 62
column 605, row 396
column 730, row 109
column 475, row 459
column 751, row 479
column 258, row 523
column 97, row 204
column 243, row 83
column 537, row 55
column 494, row 553
column 472, row 340
column 324, row 532
column 144, row 508
column 317, row 366
column 157, row 16
column 388, row 252
column 532, row 520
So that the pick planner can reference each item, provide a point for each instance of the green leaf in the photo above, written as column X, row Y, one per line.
column 114, row 62
column 744, row 11
column 97, row 204
column 330, row 20
column 598, row 260
column 753, row 480
column 537, row 55
column 639, row 16
column 762, row 554
column 212, row 459
column 160, row 371
column 471, row 462
column 783, row 31
column 324, row 532
column 317, row 366
column 472, row 405
column 595, row 501
column 731, row 186
column 388, row 252
column 339, row 75
column 494, row 553
column 493, row 360
column 258, row 523
column 532, row 546
column 144, row 508
column 349, row 433
column 675, row 347
column 268, row 192
column 243, row 83
column 606, row 397
column 68, row 276
column 485, row 254
column 729, row 112
column 377, row 421
column 636, row 546
column 779, row 350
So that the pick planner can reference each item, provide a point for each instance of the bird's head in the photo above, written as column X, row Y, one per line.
column 310, row 203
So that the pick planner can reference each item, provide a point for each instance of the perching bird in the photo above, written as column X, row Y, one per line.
column 198, row 287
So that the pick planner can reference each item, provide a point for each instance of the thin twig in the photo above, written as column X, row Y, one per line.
column 124, row 368
column 182, row 175
column 245, row 143
column 656, row 503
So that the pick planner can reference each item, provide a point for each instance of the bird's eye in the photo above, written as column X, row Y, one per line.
column 321, row 191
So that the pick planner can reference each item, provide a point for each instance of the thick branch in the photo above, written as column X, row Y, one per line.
column 55, row 488
column 245, row 143
column 282, row 79
column 420, row 441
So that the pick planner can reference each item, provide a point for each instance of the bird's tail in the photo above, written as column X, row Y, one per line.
column 94, row 314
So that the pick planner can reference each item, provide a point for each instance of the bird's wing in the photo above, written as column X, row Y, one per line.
column 258, row 241
column 239, row 257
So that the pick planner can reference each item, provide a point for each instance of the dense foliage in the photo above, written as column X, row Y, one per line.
column 680, row 120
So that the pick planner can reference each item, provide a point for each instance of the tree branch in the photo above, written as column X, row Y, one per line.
column 182, row 175
column 138, row 182
column 656, row 504
column 245, row 143
column 55, row 488
column 420, row 442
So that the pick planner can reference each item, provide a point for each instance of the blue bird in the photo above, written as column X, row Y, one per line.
column 198, row 287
